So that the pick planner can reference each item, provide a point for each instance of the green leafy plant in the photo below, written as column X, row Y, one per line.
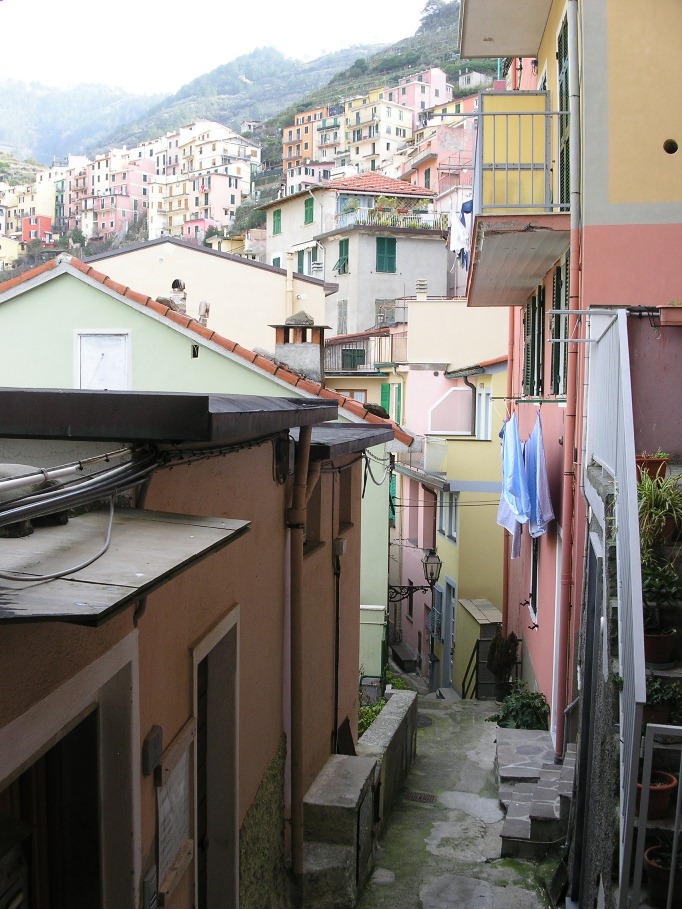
column 367, row 713
column 659, row 505
column 396, row 682
column 660, row 587
column 522, row 709
column 661, row 691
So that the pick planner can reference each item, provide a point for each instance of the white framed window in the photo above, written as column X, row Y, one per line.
column 483, row 411
column 453, row 514
column 442, row 517
column 102, row 360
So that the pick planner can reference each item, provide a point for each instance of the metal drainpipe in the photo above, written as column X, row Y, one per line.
column 289, row 291
column 304, row 482
column 505, row 539
column 570, row 456
column 473, row 405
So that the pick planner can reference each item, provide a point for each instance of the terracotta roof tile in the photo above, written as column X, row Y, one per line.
column 378, row 183
column 312, row 388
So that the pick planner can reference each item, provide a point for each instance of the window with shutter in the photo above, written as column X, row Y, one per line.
column 342, row 262
column 533, row 344
column 562, row 65
column 385, row 396
column 386, row 254
column 391, row 499
column 308, row 211
column 300, row 258
column 397, row 410
column 277, row 221
column 559, row 329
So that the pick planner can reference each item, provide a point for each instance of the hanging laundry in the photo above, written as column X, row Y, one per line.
column 514, row 507
column 541, row 511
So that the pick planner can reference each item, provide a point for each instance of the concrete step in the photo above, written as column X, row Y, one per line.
column 538, row 800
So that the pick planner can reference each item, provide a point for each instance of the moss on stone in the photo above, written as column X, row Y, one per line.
column 263, row 879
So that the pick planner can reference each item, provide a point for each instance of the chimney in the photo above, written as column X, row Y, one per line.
column 299, row 344
column 421, row 287
column 178, row 297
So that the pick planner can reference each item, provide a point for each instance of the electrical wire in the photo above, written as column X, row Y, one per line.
column 32, row 579
column 80, row 492
column 368, row 466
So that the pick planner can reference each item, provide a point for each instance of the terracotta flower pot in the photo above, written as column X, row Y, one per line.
column 659, row 648
column 653, row 466
column 658, row 878
column 661, row 790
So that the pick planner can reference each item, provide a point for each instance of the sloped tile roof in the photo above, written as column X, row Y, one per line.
column 378, row 183
column 249, row 356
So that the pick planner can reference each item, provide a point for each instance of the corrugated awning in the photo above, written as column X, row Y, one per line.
column 146, row 549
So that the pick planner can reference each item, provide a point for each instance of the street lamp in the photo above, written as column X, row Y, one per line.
column 432, row 564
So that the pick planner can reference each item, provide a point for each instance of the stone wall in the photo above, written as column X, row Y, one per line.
column 263, row 880
column 392, row 741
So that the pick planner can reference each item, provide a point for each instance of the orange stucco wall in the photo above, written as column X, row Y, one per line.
column 251, row 573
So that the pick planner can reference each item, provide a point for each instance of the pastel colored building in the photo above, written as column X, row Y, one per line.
column 242, row 297
column 131, row 760
column 338, row 231
column 422, row 91
column 587, row 260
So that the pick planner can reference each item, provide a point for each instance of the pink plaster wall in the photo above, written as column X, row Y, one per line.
column 631, row 265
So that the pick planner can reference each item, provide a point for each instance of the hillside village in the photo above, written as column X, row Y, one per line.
column 402, row 428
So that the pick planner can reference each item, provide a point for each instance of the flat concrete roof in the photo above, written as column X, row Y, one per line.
column 134, row 416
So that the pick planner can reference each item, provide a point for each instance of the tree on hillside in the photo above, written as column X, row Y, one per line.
column 432, row 7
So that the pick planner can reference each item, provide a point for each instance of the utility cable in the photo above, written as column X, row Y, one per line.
column 32, row 579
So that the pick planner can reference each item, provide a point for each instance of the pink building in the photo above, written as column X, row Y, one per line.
column 422, row 91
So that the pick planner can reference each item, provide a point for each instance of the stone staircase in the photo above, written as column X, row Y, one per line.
column 535, row 792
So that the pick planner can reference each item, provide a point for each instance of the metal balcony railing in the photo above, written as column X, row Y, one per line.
column 428, row 455
column 610, row 445
column 371, row 217
column 517, row 158
column 362, row 354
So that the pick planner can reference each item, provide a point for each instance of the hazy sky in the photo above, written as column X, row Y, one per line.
column 146, row 47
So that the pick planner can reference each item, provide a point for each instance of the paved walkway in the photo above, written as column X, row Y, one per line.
column 441, row 846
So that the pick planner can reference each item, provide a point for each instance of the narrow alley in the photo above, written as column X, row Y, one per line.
column 441, row 846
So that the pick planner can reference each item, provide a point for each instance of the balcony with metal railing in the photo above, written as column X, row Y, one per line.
column 427, row 454
column 364, row 353
column 610, row 456
column 411, row 219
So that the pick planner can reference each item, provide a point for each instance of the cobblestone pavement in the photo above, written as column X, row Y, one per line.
column 440, row 848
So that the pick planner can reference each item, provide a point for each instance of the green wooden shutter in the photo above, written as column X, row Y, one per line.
column 391, row 499
column 564, row 124
column 385, row 399
column 299, row 261
column 386, row 254
column 398, row 401
column 557, row 332
column 277, row 221
column 308, row 211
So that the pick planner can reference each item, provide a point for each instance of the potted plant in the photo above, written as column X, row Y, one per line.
column 384, row 203
column 659, row 504
column 658, row 864
column 662, row 785
column 663, row 699
column 502, row 658
column 660, row 588
column 654, row 463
